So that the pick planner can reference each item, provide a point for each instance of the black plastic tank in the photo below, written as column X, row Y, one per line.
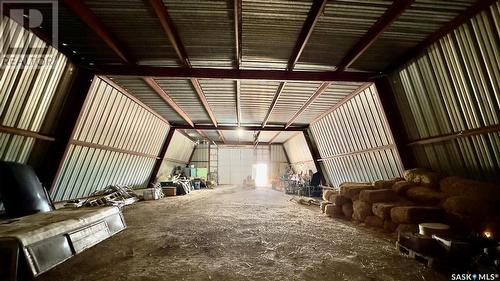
column 21, row 192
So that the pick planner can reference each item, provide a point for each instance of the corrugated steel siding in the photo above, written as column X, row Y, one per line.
column 26, row 93
column 299, row 155
column 417, row 22
column 455, row 86
column 146, row 41
column 201, row 155
column 278, row 162
column 206, row 28
column 355, row 143
column 139, row 89
column 221, row 94
column 331, row 96
column 110, row 119
column 182, row 92
column 270, row 30
column 293, row 96
column 338, row 29
column 178, row 152
column 256, row 97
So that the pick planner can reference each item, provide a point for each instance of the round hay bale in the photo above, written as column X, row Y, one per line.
column 374, row 221
column 389, row 226
column 425, row 195
column 429, row 229
column 332, row 210
column 378, row 195
column 361, row 210
column 323, row 204
column 401, row 187
column 347, row 210
column 470, row 206
column 406, row 227
column 339, row 199
column 470, row 188
column 327, row 193
column 416, row 214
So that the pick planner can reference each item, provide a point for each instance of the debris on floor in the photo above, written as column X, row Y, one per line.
column 113, row 195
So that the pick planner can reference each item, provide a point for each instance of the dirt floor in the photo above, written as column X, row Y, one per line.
column 233, row 234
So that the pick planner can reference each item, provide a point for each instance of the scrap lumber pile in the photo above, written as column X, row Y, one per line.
column 420, row 196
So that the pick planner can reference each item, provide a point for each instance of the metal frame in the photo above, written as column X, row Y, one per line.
column 306, row 31
column 245, row 128
column 390, row 15
column 456, row 135
column 321, row 89
column 25, row 133
column 161, row 155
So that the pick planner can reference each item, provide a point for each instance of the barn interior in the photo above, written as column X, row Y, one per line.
column 250, row 140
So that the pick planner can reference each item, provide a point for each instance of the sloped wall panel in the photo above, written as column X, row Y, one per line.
column 178, row 152
column 116, row 141
column 451, row 89
column 355, row 143
column 299, row 155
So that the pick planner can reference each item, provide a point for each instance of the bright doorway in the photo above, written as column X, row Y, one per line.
column 260, row 174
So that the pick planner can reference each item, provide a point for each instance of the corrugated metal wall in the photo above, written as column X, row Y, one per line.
column 452, row 88
column 354, row 141
column 278, row 161
column 26, row 92
column 299, row 155
column 178, row 152
column 116, row 141
column 201, row 155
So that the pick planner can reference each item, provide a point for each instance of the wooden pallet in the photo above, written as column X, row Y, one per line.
column 427, row 260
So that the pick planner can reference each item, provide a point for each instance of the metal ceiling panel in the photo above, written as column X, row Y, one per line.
column 283, row 136
column 338, row 29
column 414, row 25
column 221, row 95
column 330, row 97
column 239, row 136
column 206, row 29
column 138, row 29
column 256, row 97
column 293, row 96
column 270, row 30
column 78, row 38
column 266, row 136
column 139, row 89
column 182, row 92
